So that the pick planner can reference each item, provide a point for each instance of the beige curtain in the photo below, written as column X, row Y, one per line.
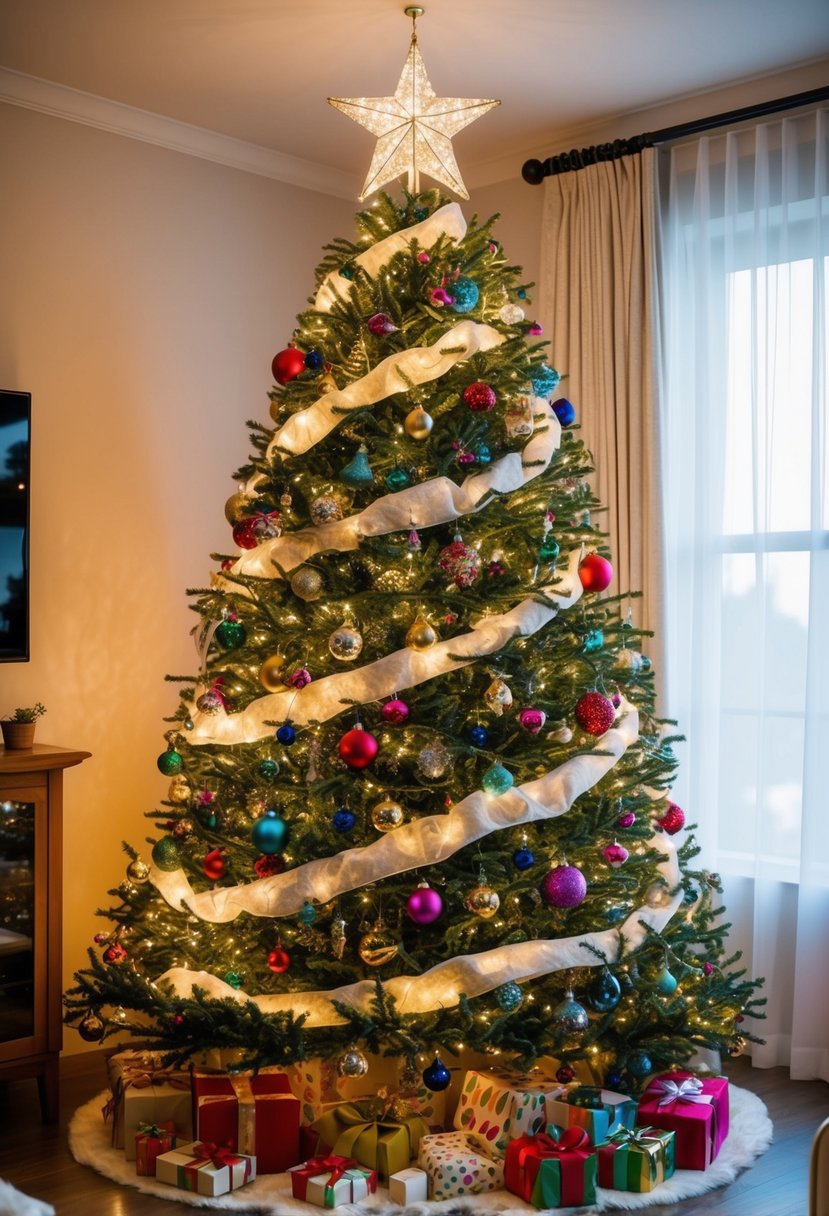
column 599, row 308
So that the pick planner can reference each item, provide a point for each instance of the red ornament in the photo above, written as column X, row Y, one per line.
column 673, row 820
column 287, row 365
column 595, row 713
column 214, row 864
column 243, row 534
column 565, row 1074
column 381, row 324
column 358, row 748
column 268, row 865
column 115, row 954
column 595, row 572
column 479, row 397
column 279, row 960
column 461, row 562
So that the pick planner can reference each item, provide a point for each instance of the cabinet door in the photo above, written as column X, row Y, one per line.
column 23, row 918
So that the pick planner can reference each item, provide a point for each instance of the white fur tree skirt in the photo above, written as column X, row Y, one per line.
column 750, row 1135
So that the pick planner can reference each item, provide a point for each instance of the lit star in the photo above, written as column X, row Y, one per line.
column 414, row 129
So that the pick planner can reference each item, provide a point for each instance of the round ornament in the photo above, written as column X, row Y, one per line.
column 270, row 833
column 565, row 1074
column 569, row 1016
column 306, row 583
column 464, row 294
column 483, row 901
column 269, row 769
column 236, row 507
column 395, row 711
column 595, row 572
column 626, row 819
column 545, row 381
column 179, row 791
column 563, row 887
column 358, row 471
column 230, row 634
column 170, row 762
column 387, row 815
column 424, row 905
column 234, row 978
column 595, row 713
column 166, row 855
column 91, row 1028
column 243, row 534
column 381, row 324
column 325, row 510
column 562, row 734
column 615, row 855
column 420, row 635
column 268, row 865
column 299, row 678
column 497, row 780
column 314, row 360
column 418, row 424
column 138, row 872
column 532, row 720
column 307, row 914
column 210, row 702
column 665, row 982
column 593, row 641
column 613, row 1079
column 279, row 960
column 437, row 1076
column 358, row 748
column 461, row 562
column 639, row 1064
column 510, row 996
column 564, row 411
column 480, row 397
column 266, row 526
column 397, row 479
column 215, row 864
column 343, row 820
column 511, row 314
column 523, row 858
column 352, row 1063
column 434, row 760
column 478, row 735
column 287, row 365
column 345, row 643
column 182, row 829
column 604, row 991
column 498, row 696
column 115, row 954
column 286, row 734
column 377, row 947
column 673, row 820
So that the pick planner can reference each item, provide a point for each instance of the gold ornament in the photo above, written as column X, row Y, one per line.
column 179, row 791
column 138, row 871
column 307, row 583
column 418, row 424
column 483, row 901
column 498, row 696
column 387, row 815
column 377, row 947
column 270, row 673
column 420, row 635
column 352, row 1063
column 345, row 643
column 237, row 507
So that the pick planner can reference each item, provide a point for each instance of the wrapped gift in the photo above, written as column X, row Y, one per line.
column 207, row 1169
column 523, row 1159
column 597, row 1111
column 373, row 1136
column 495, row 1109
column 532, row 1107
column 566, row 1176
column 257, row 1116
column 151, row 1140
column 144, row 1091
column 693, row 1107
column 409, row 1186
column 636, row 1159
column 326, row 1172
column 456, row 1167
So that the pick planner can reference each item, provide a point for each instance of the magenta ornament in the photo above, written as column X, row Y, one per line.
column 381, row 324
column 564, row 887
column 424, row 905
column 615, row 855
column 626, row 820
column 532, row 720
column 395, row 711
column 300, row 678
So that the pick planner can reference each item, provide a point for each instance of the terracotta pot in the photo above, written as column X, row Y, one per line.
column 18, row 736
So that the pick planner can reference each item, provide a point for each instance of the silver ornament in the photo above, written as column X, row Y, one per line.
column 307, row 583
column 511, row 314
column 210, row 702
column 628, row 660
column 352, row 1063
column 345, row 643
column 562, row 734
column 434, row 761
column 326, row 509
column 179, row 791
column 138, row 871
column 570, row 1016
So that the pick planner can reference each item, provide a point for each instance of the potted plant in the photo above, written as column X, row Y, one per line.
column 19, row 729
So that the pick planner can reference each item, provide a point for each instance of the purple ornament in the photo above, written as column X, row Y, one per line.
column 616, row 699
column 395, row 711
column 564, row 887
column 424, row 905
column 424, row 258
column 615, row 855
column 381, row 324
column 300, row 678
column 627, row 820
column 532, row 720
column 466, row 457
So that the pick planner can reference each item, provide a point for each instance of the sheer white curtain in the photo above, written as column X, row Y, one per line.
column 745, row 452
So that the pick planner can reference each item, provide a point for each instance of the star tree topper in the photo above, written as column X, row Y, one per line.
column 414, row 128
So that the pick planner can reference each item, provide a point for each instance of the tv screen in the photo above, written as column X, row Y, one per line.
column 15, row 460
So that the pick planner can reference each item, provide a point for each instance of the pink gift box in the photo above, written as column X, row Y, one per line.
column 695, row 1108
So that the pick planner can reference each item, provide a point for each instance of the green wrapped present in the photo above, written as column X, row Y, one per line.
column 567, row 1171
column 353, row 1129
column 636, row 1159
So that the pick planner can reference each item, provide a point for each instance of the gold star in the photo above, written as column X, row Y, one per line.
column 414, row 128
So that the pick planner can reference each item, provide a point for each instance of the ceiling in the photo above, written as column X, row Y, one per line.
column 260, row 70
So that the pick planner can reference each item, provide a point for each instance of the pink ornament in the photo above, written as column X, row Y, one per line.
column 441, row 298
column 466, row 458
column 460, row 562
column 673, row 820
column 450, row 618
column 479, row 397
column 708, row 968
column 496, row 569
column 300, row 678
column 616, row 699
column 595, row 572
column 205, row 797
column 595, row 713
column 532, row 720
column 424, row 905
column 358, row 748
column 615, row 855
column 100, row 938
column 395, row 711
column 536, row 328
column 424, row 258
column 381, row 324
column 564, row 887
column 626, row 820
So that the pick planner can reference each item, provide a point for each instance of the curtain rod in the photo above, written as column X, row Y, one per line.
column 534, row 171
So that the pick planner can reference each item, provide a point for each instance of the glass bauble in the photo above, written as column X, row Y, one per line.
column 234, row 978
column 326, row 509
column 510, row 996
column 395, row 711
column 562, row 734
column 306, row 583
column 170, row 762
column 483, row 901
column 299, row 678
column 666, row 983
column 91, row 1028
column 523, row 858
column 210, row 702
column 497, row 780
column 352, row 1063
column 498, row 696
column 314, row 360
column 565, row 1074
column 380, row 324
column 358, row 470
column 166, row 855
column 237, row 507
column 532, row 720
column 269, row 769
column 270, row 833
column 626, row 819
column 595, row 572
column 480, row 397
column 424, row 905
column 434, row 761
column 545, row 381
column 343, row 820
column 615, row 855
column 639, row 1064
column 307, row 914
column 387, row 815
column 461, row 562
column 215, row 864
column 270, row 673
column 286, row 734
column 569, row 1016
column 418, row 424
column 604, row 991
column 420, row 635
column 230, row 634
column 138, row 871
column 511, row 314
column 437, row 1076
column 564, row 411
column 377, row 947
column 673, row 820
column 358, row 748
column 595, row 713
column 287, row 365
column 465, row 293
column 179, row 791
column 345, row 643
column 563, row 887
column 478, row 736
column 279, row 960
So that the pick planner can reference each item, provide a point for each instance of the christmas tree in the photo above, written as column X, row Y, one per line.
column 418, row 798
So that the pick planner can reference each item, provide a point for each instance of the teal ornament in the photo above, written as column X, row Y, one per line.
column 230, row 634
column 497, row 779
column 347, row 271
column 666, row 983
column 509, row 996
column 268, row 769
column 421, row 213
column 307, row 914
column 639, row 1064
column 269, row 833
column 210, row 821
column 569, row 1016
column 593, row 641
column 166, row 854
column 189, row 724
column 482, row 453
column 464, row 292
column 397, row 479
column 358, row 470
column 545, row 381
column 234, row 978
column 604, row 992
column 170, row 762
column 549, row 549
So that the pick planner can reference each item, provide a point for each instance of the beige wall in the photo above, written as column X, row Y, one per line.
column 143, row 295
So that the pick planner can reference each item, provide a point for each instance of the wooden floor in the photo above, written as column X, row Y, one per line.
column 36, row 1159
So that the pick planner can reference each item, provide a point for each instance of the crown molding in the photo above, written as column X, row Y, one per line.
column 33, row 93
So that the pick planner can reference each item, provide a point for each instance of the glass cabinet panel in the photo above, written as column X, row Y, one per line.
column 17, row 918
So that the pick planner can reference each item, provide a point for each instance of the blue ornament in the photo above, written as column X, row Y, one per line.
column 604, row 992
column 437, row 1076
column 343, row 820
column 497, row 779
column 465, row 293
column 397, row 479
column 523, row 858
column 478, row 736
column 314, row 360
column 521, row 293
column 358, row 470
column 593, row 641
column 307, row 913
column 639, row 1064
column 545, row 382
column 268, row 769
column 564, row 411
column 286, row 734
column 613, row 1079
column 269, row 833
column 482, row 453
column 509, row 996
column 666, row 983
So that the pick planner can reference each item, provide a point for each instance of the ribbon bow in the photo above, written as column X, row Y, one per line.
column 689, row 1090
column 333, row 1165
column 572, row 1139
column 639, row 1136
column 140, row 1072
column 154, row 1131
column 220, row 1154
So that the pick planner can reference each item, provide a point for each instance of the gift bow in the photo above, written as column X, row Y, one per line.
column 557, row 1143
column 155, row 1131
column 333, row 1165
column 637, row 1135
column 140, row 1072
column 689, row 1090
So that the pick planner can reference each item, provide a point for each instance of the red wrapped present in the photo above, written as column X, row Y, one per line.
column 257, row 1116
column 695, row 1108
column 567, row 1176
column 151, row 1139
column 334, row 1167
column 524, row 1157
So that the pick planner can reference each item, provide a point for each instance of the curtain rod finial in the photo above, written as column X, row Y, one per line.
column 532, row 172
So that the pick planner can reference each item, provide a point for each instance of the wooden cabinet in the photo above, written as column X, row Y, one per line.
column 31, row 885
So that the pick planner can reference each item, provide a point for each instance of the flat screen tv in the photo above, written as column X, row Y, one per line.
column 15, row 462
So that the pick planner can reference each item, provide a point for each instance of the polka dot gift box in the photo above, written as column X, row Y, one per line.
column 493, row 1110
column 456, row 1167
